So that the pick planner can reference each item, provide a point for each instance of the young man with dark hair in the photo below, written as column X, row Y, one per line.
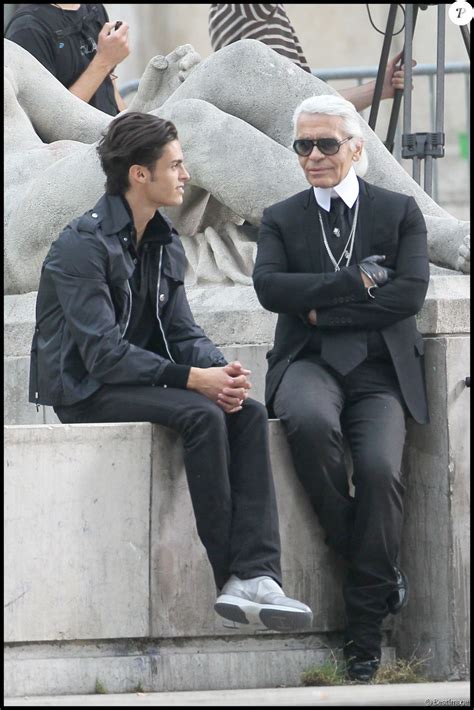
column 115, row 341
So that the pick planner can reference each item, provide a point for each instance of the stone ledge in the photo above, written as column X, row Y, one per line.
column 158, row 665
column 232, row 316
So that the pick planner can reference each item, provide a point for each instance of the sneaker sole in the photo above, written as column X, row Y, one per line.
column 275, row 618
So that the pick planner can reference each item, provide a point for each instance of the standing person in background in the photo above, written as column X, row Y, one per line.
column 78, row 45
column 270, row 24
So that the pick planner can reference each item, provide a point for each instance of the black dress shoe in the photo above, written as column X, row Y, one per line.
column 398, row 599
column 362, row 671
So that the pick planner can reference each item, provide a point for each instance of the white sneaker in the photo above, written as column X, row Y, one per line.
column 260, row 601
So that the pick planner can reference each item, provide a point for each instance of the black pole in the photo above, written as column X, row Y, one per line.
column 382, row 65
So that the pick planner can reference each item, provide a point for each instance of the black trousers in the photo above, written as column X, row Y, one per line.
column 319, row 408
column 227, row 462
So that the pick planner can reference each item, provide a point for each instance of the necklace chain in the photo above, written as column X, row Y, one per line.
column 347, row 251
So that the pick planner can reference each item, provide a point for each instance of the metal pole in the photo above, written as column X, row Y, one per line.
column 382, row 65
column 439, row 126
column 409, row 25
column 428, row 174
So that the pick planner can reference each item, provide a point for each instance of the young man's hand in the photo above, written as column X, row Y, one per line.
column 226, row 386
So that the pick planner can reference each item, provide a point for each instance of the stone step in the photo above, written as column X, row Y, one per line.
column 378, row 695
column 156, row 665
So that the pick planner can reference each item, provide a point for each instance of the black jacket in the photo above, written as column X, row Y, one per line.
column 290, row 279
column 83, row 309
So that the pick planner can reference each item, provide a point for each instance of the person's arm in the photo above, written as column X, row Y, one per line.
column 401, row 297
column 121, row 105
column 187, row 341
column 362, row 96
column 112, row 48
column 281, row 291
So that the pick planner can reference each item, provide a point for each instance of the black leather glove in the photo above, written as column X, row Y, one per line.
column 378, row 274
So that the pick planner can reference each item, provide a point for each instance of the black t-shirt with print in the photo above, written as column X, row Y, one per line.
column 65, row 42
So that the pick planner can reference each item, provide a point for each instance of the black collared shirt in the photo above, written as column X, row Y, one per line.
column 144, row 327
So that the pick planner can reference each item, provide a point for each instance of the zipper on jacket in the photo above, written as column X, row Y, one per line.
column 36, row 368
column 158, row 306
column 129, row 310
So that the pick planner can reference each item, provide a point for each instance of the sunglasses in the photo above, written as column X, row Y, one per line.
column 326, row 146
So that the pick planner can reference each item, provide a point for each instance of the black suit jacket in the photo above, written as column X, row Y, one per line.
column 290, row 279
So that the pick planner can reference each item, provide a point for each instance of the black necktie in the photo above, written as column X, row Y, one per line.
column 338, row 218
column 343, row 349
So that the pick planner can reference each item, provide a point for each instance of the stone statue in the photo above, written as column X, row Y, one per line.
column 233, row 113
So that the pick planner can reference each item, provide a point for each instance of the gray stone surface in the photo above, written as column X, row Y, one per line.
column 405, row 694
column 77, row 531
column 188, row 665
column 435, row 548
column 231, row 95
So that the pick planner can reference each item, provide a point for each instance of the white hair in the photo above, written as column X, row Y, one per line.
column 329, row 105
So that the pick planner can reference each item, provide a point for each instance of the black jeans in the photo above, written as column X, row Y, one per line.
column 319, row 408
column 227, row 462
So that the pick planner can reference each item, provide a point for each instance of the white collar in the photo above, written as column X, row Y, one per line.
column 348, row 190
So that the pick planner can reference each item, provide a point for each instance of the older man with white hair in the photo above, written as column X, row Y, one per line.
column 345, row 266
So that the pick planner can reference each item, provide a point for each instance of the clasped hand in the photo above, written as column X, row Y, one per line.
column 226, row 386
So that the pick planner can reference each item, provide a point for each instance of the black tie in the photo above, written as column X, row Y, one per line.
column 338, row 218
column 343, row 349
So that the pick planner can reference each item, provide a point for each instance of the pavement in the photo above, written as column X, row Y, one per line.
column 452, row 694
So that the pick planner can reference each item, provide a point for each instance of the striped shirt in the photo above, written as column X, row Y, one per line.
column 267, row 23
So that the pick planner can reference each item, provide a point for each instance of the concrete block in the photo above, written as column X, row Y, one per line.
column 447, row 305
column 435, row 552
column 77, row 531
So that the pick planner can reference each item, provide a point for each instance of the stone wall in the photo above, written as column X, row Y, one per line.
column 105, row 573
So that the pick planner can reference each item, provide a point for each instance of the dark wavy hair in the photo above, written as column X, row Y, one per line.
column 132, row 139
